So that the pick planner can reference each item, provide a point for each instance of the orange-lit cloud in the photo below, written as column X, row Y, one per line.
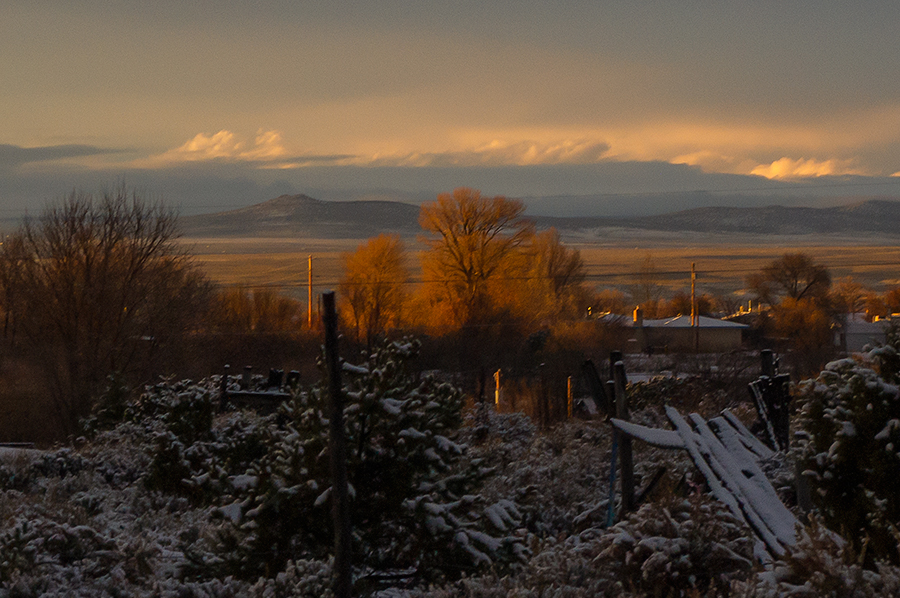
column 786, row 168
column 267, row 150
column 224, row 145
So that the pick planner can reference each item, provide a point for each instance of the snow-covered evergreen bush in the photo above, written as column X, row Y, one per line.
column 193, row 453
column 414, row 501
column 851, row 415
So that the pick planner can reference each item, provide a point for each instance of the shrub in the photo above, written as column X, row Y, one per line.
column 672, row 549
column 821, row 565
column 851, row 416
column 413, row 503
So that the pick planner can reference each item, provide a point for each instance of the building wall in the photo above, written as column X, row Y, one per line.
column 681, row 340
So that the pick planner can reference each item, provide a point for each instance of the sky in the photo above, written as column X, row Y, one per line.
column 218, row 104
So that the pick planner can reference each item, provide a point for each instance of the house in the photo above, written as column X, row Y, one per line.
column 679, row 335
column 854, row 333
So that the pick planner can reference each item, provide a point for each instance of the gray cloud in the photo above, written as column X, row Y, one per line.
column 14, row 155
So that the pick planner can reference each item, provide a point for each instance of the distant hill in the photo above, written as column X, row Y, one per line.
column 875, row 216
column 301, row 215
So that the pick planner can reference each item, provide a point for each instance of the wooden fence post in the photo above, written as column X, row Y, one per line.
column 340, row 503
column 599, row 392
column 625, row 455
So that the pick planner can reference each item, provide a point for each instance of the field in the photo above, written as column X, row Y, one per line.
column 614, row 258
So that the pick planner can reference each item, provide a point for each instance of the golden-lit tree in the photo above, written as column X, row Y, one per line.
column 555, row 275
column 473, row 242
column 680, row 305
column 892, row 301
column 808, row 326
column 877, row 306
column 612, row 301
column 373, row 286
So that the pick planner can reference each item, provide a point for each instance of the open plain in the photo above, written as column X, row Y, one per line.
column 614, row 258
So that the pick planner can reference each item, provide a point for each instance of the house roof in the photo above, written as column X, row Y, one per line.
column 857, row 324
column 685, row 322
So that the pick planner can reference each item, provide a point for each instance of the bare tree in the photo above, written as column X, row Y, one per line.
column 647, row 292
column 848, row 296
column 795, row 276
column 239, row 310
column 93, row 283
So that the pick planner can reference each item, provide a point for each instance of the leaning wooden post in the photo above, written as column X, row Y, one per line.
column 569, row 397
column 309, row 297
column 340, row 502
column 625, row 457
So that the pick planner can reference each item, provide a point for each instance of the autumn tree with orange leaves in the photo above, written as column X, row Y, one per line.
column 373, row 286
column 555, row 277
column 473, row 244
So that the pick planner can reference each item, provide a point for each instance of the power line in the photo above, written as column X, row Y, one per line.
column 630, row 274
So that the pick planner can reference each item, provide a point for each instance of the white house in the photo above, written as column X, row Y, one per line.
column 855, row 332
column 678, row 335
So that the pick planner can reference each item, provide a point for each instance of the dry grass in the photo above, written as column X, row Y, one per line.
column 613, row 259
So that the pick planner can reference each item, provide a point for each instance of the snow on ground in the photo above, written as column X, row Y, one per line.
column 81, row 522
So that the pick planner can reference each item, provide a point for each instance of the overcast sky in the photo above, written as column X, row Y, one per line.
column 222, row 103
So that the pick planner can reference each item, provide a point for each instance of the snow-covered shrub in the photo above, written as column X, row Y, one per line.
column 195, row 453
column 674, row 548
column 412, row 489
column 110, row 408
column 851, row 415
column 43, row 542
column 300, row 579
column 821, row 566
column 184, row 408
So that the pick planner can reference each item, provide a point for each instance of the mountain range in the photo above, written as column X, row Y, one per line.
column 301, row 215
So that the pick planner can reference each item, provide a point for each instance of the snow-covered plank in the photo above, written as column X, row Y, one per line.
column 654, row 436
column 728, row 436
column 754, row 490
column 747, row 437
column 725, row 489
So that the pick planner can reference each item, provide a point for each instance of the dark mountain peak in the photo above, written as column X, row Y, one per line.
column 302, row 215
column 282, row 203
